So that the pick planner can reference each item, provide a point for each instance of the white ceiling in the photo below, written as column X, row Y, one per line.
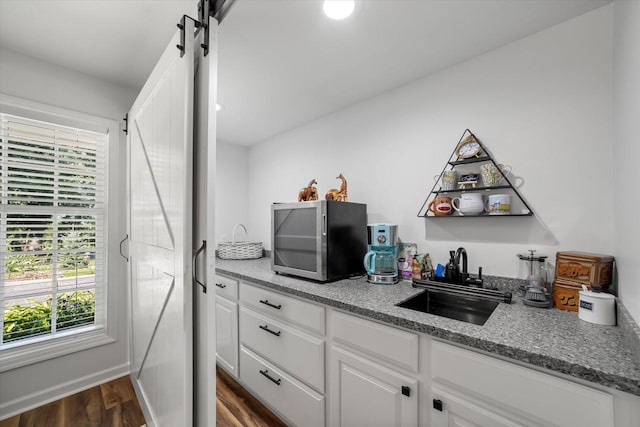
column 282, row 63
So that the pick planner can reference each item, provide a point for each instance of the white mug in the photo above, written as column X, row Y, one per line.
column 498, row 204
column 468, row 204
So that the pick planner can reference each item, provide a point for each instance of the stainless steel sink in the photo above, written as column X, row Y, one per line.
column 471, row 305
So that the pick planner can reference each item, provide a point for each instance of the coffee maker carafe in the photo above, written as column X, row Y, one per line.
column 381, row 259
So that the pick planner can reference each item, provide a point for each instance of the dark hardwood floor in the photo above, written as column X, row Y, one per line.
column 236, row 407
column 110, row 404
column 114, row 404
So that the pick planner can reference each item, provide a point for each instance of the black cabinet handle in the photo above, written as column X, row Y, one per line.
column 266, row 374
column 437, row 404
column 266, row 328
column 266, row 302
column 406, row 391
column 221, row 285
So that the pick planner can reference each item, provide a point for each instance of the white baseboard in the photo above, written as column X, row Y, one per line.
column 142, row 399
column 42, row 397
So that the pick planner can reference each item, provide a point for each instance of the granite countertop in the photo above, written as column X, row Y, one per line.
column 549, row 338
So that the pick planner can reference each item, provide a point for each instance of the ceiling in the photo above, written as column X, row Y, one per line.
column 282, row 63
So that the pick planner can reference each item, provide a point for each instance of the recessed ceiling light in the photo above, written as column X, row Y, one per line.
column 338, row 9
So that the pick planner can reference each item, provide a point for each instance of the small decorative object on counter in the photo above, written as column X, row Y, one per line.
column 574, row 269
column 470, row 179
column 406, row 252
column 239, row 250
column 416, row 271
column 597, row 307
column 338, row 195
column 308, row 193
column 426, row 267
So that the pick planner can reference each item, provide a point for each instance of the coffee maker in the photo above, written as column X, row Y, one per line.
column 381, row 259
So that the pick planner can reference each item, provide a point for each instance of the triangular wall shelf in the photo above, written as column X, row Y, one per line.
column 468, row 161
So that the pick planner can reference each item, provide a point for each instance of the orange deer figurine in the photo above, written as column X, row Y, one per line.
column 338, row 195
column 309, row 192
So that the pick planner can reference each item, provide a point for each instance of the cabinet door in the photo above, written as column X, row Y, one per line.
column 455, row 411
column 227, row 335
column 365, row 393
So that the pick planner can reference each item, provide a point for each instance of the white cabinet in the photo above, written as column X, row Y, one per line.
column 227, row 324
column 365, row 393
column 476, row 387
column 299, row 353
column 373, row 373
column 227, row 335
column 282, row 353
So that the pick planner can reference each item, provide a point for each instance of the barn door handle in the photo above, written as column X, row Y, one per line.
column 194, row 265
column 121, row 243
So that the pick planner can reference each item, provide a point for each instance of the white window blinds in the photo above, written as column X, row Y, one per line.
column 52, row 229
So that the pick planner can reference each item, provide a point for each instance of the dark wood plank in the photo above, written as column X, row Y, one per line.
column 224, row 417
column 242, row 405
column 44, row 416
column 11, row 422
column 84, row 409
column 117, row 392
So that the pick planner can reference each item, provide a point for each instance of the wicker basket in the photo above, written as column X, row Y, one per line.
column 239, row 250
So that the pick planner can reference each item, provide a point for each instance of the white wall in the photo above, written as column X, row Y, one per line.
column 38, row 81
column 542, row 105
column 626, row 149
column 232, row 191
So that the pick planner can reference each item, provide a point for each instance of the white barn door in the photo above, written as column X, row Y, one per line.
column 160, row 237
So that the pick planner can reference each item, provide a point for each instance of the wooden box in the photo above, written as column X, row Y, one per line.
column 584, row 268
column 565, row 294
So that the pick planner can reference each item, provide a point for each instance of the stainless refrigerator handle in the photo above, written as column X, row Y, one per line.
column 194, row 266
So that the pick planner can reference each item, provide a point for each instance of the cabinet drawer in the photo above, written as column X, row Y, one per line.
column 384, row 342
column 298, row 403
column 227, row 335
column 555, row 400
column 299, row 312
column 226, row 287
column 300, row 354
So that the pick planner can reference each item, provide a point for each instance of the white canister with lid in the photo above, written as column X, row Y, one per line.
column 597, row 307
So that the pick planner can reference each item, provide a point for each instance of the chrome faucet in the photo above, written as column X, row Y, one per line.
column 464, row 274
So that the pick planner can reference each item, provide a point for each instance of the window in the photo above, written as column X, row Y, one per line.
column 53, row 233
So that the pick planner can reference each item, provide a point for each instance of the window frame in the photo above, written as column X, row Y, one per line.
column 32, row 350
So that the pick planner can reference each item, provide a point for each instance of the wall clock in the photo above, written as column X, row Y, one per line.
column 468, row 147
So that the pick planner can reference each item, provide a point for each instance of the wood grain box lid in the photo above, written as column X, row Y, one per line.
column 584, row 268
column 585, row 256
column 565, row 294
